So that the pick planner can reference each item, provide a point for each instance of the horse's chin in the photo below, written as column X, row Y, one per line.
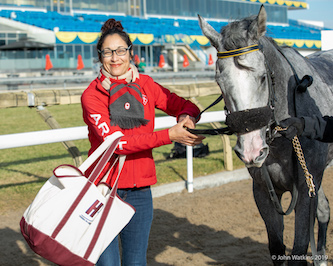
column 250, row 165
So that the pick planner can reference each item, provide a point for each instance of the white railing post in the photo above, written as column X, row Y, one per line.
column 189, row 156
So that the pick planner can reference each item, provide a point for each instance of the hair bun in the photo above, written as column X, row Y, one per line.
column 111, row 24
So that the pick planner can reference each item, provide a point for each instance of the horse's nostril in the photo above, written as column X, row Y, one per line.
column 258, row 161
column 264, row 151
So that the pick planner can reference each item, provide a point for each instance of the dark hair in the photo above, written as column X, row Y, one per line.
column 110, row 27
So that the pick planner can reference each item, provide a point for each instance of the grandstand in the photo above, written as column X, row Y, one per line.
column 66, row 29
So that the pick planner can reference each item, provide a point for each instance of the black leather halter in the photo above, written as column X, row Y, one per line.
column 265, row 113
column 301, row 86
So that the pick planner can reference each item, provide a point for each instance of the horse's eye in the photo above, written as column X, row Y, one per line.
column 263, row 78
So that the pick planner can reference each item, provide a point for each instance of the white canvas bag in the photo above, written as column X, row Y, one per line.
column 71, row 221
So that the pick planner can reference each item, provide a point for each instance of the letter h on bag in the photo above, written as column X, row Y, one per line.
column 94, row 208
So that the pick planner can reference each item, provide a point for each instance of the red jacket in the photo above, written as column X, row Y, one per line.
column 137, row 143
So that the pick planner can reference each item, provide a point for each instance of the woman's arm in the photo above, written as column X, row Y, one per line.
column 319, row 128
column 96, row 116
column 172, row 104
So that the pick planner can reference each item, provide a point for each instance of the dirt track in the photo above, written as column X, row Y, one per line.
column 216, row 226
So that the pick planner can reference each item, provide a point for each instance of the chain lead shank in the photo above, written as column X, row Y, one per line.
column 299, row 152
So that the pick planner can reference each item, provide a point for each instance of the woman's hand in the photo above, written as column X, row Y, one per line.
column 178, row 133
column 188, row 124
column 292, row 127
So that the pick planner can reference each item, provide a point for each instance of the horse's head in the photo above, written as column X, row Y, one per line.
column 242, row 76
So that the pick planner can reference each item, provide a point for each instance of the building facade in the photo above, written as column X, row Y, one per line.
column 156, row 27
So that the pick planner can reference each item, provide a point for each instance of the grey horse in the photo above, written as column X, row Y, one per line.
column 259, row 82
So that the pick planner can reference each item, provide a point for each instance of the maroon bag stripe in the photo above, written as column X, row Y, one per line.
column 103, row 219
column 102, row 162
column 98, row 169
column 49, row 248
column 70, row 210
column 99, row 228
column 106, row 210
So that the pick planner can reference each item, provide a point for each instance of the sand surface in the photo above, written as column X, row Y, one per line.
column 215, row 226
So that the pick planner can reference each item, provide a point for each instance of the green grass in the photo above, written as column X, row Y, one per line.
column 24, row 170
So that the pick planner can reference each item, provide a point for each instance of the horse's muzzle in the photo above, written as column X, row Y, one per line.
column 249, row 120
column 252, row 148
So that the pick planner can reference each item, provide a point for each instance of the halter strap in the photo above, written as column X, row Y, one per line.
column 211, row 105
column 240, row 51
column 226, row 130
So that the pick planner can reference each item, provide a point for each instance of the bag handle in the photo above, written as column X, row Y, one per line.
column 95, row 173
column 107, row 207
column 103, row 187
column 114, row 139
column 121, row 159
column 101, row 148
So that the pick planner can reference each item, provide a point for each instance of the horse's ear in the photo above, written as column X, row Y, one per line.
column 262, row 18
column 213, row 36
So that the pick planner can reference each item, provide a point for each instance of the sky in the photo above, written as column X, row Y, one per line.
column 319, row 10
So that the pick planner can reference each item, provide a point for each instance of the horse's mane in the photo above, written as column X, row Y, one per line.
column 278, row 47
column 241, row 33
column 236, row 34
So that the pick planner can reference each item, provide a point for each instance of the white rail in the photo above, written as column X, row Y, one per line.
column 75, row 133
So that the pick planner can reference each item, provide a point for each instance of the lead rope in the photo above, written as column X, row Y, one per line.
column 301, row 87
column 301, row 159
column 299, row 152
column 312, row 193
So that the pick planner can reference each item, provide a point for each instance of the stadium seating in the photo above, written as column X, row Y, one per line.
column 157, row 26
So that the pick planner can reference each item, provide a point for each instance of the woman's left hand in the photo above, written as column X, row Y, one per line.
column 178, row 133
column 190, row 123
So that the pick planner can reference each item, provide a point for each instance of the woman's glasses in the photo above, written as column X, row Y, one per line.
column 119, row 51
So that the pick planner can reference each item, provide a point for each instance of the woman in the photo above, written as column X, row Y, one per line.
column 121, row 99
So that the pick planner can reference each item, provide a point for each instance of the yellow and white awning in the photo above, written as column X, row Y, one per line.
column 148, row 39
column 291, row 4
column 92, row 37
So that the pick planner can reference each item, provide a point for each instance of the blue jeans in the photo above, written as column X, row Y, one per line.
column 134, row 237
